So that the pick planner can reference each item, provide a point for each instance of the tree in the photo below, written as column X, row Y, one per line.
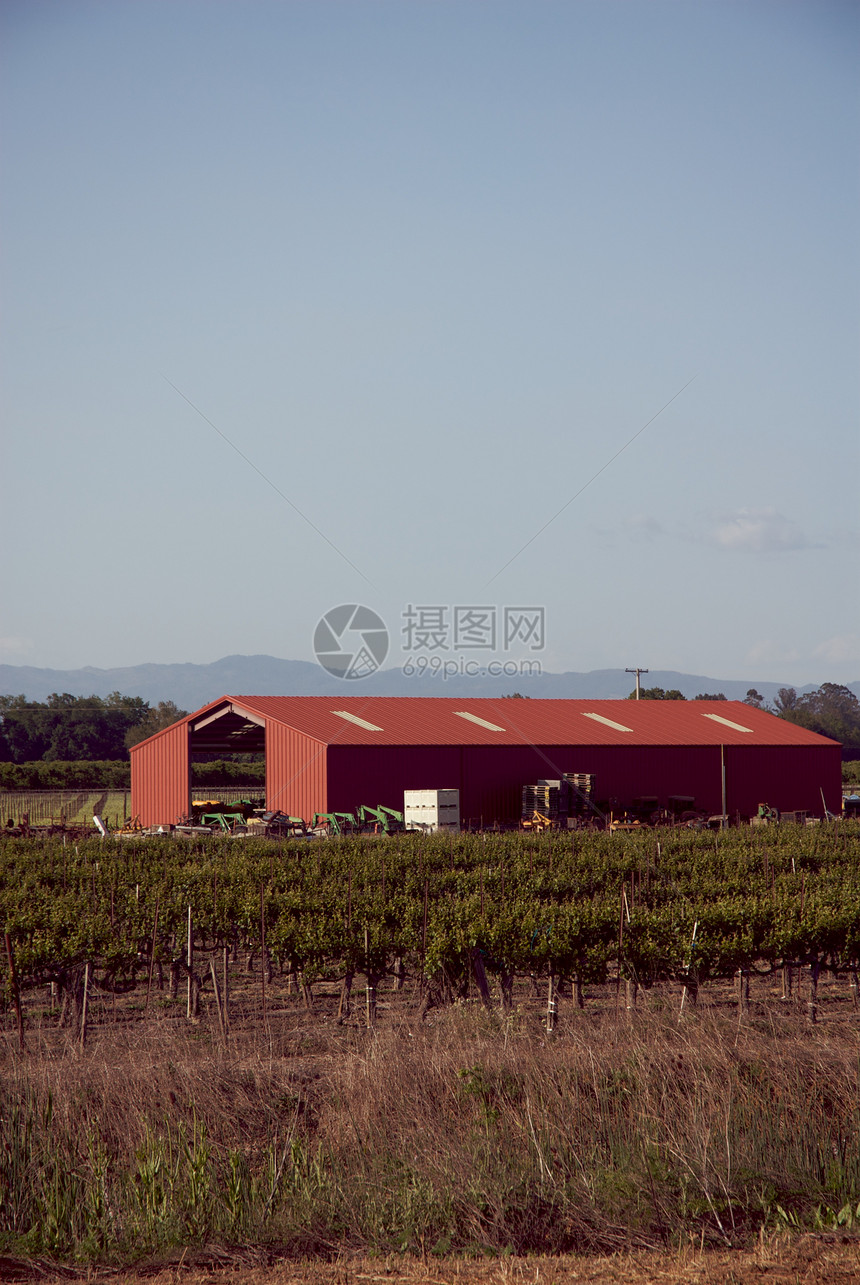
column 165, row 714
column 66, row 728
column 786, row 701
column 831, row 710
column 711, row 696
column 755, row 699
column 657, row 694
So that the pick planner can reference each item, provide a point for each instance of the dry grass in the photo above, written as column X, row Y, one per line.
column 823, row 1259
column 809, row 1260
column 469, row 1134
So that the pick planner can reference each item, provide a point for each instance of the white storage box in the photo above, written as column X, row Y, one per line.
column 432, row 810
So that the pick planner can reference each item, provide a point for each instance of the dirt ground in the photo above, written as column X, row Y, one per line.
column 283, row 1007
column 807, row 1260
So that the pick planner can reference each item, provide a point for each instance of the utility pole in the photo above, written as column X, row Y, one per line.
column 637, row 672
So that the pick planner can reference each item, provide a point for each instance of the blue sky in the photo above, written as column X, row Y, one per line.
column 429, row 266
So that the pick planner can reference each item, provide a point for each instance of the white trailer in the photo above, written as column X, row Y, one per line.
column 432, row 810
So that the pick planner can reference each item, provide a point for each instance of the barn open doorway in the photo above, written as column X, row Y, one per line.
column 227, row 753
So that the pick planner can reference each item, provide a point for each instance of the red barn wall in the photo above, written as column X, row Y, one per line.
column 790, row 778
column 496, row 775
column 295, row 772
column 161, row 777
column 490, row 778
column 378, row 774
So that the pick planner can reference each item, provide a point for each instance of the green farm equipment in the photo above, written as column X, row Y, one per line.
column 226, row 816
column 338, row 823
column 278, row 825
column 766, row 815
column 380, row 820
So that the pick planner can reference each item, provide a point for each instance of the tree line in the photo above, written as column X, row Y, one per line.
column 83, row 742
column 68, row 731
column 831, row 710
column 115, row 774
column 68, row 728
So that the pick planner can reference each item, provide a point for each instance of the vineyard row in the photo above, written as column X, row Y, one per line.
column 584, row 907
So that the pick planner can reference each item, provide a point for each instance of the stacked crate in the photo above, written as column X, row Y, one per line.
column 549, row 799
column 581, row 792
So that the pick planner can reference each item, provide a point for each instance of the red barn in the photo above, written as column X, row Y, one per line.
column 329, row 754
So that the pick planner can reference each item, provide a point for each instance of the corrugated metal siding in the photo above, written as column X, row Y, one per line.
column 490, row 779
column 789, row 778
column 379, row 774
column 295, row 772
column 495, row 777
column 161, row 777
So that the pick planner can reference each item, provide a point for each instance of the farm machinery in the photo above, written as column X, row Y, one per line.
column 364, row 820
column 249, row 818
column 335, row 824
column 537, row 822
column 244, row 818
column 379, row 820
column 224, row 816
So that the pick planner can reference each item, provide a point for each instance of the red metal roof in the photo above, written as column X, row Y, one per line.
column 416, row 720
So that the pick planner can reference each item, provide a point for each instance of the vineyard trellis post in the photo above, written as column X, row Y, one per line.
column 226, row 990
column 689, row 984
column 344, row 1006
column 16, row 992
column 424, row 925
column 189, row 963
column 787, row 981
column 218, row 1007
column 370, row 983
column 551, row 1001
column 152, row 955
column 480, row 974
column 85, row 1005
column 812, row 1001
column 263, row 950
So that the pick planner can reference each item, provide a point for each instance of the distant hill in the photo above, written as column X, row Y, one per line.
column 191, row 686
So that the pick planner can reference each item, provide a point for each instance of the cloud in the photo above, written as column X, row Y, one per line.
column 843, row 649
column 760, row 531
